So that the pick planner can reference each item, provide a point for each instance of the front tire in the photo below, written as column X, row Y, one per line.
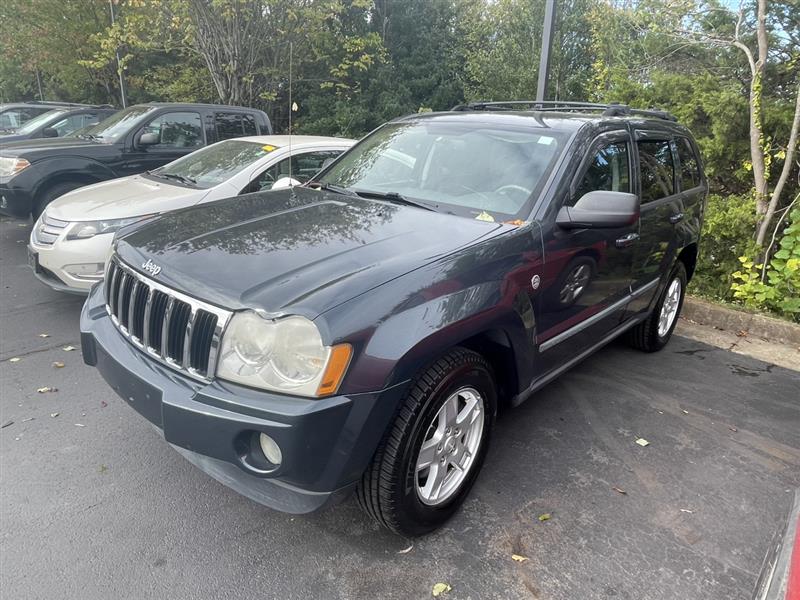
column 432, row 453
column 652, row 334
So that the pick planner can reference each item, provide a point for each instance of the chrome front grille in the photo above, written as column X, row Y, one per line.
column 169, row 326
column 47, row 230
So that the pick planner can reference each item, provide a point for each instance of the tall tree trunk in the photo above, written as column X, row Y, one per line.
column 788, row 163
column 758, row 67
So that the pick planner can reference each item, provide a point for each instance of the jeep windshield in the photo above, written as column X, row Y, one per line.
column 476, row 170
column 116, row 125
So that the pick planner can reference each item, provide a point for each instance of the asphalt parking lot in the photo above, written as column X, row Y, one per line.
column 93, row 504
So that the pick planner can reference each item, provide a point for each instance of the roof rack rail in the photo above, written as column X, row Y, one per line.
column 612, row 109
column 67, row 104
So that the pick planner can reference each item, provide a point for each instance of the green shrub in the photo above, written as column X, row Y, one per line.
column 779, row 292
column 727, row 234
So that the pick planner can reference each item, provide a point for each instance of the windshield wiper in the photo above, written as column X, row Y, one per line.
column 394, row 197
column 336, row 189
column 180, row 178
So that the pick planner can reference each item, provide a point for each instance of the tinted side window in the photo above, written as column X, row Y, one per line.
column 234, row 125
column 607, row 171
column 177, row 130
column 690, row 167
column 249, row 125
column 656, row 169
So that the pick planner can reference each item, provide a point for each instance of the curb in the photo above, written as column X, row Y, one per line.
column 708, row 313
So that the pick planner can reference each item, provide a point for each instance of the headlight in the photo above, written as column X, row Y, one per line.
column 284, row 355
column 10, row 165
column 88, row 229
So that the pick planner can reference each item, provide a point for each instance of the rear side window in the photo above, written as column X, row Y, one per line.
column 177, row 130
column 608, row 171
column 656, row 169
column 234, row 125
column 690, row 167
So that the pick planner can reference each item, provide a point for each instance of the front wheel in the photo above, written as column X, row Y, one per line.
column 653, row 333
column 431, row 455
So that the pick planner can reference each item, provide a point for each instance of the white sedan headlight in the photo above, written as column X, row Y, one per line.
column 88, row 229
column 284, row 355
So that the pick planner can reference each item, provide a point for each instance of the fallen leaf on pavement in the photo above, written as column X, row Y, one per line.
column 732, row 428
column 68, row 348
column 741, row 333
column 102, row 469
column 14, row 360
column 440, row 588
column 642, row 442
column 6, row 424
column 544, row 517
column 620, row 491
column 58, row 364
column 407, row 550
column 518, row 558
column 44, row 335
column 54, row 415
column 103, row 403
column 44, row 390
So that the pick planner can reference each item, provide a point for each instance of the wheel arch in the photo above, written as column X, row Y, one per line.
column 688, row 256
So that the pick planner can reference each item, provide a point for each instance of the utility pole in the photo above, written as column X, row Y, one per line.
column 547, row 46
column 123, row 96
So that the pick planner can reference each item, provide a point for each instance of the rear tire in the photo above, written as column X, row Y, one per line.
column 652, row 334
column 445, row 424
column 51, row 194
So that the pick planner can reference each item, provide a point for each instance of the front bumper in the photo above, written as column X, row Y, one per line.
column 326, row 444
column 57, row 261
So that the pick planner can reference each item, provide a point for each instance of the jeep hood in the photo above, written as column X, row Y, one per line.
column 301, row 251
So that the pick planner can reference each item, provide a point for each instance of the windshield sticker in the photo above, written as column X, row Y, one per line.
column 268, row 148
column 546, row 140
column 485, row 216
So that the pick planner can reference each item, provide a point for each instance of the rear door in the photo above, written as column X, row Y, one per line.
column 662, row 208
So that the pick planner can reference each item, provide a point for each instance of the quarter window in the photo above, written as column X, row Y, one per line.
column 608, row 171
column 690, row 169
column 177, row 130
column 656, row 169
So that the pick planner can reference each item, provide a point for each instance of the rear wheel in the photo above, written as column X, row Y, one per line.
column 51, row 194
column 653, row 333
column 429, row 459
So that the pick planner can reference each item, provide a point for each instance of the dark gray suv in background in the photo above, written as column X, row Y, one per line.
column 361, row 332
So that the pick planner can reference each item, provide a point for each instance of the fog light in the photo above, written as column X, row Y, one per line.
column 92, row 271
column 270, row 449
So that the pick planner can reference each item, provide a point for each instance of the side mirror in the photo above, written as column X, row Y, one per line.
column 285, row 182
column 49, row 132
column 149, row 139
column 600, row 209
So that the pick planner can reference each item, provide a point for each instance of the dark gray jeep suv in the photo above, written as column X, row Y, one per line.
column 360, row 332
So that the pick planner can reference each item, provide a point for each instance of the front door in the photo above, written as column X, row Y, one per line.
column 179, row 133
column 586, row 277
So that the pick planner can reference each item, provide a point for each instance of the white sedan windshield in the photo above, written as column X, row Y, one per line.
column 469, row 168
column 215, row 164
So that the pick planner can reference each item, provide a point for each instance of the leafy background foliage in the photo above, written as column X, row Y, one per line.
column 357, row 63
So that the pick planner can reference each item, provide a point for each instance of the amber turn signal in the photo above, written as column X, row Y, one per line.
column 334, row 373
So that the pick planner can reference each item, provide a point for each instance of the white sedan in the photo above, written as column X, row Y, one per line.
column 71, row 240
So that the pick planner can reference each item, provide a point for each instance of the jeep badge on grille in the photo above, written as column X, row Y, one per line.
column 151, row 267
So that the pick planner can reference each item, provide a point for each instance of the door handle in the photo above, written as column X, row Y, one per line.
column 676, row 218
column 627, row 240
